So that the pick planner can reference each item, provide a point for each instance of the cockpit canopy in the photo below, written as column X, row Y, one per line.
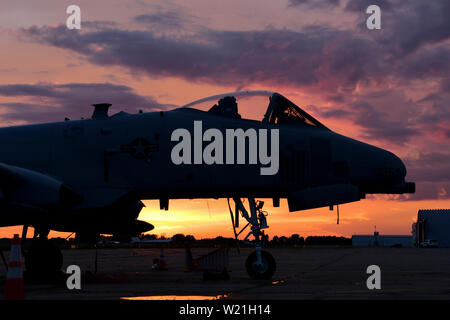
column 280, row 110
column 283, row 111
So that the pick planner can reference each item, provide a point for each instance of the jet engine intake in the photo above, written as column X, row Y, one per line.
column 33, row 188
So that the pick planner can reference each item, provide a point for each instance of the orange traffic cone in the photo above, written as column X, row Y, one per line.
column 14, row 289
column 190, row 264
column 162, row 261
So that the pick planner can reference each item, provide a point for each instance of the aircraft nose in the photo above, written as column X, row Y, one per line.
column 375, row 170
column 396, row 165
column 379, row 166
column 393, row 173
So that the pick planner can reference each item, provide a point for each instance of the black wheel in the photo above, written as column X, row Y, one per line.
column 43, row 258
column 263, row 271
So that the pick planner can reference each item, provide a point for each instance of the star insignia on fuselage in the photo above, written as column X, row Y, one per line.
column 139, row 148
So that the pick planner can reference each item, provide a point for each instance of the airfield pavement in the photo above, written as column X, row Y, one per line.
column 302, row 273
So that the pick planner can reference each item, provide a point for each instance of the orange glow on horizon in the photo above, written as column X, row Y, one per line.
column 208, row 218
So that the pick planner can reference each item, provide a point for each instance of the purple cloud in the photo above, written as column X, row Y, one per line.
column 51, row 102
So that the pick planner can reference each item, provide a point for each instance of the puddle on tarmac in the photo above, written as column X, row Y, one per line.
column 176, row 297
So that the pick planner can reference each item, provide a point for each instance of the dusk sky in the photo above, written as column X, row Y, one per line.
column 387, row 87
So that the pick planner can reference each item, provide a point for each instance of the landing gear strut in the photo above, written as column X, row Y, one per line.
column 260, row 264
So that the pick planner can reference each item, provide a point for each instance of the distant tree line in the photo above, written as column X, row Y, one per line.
column 297, row 240
column 277, row 241
column 181, row 240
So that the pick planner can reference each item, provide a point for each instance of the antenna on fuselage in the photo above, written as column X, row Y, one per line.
column 337, row 213
column 101, row 110
column 337, row 206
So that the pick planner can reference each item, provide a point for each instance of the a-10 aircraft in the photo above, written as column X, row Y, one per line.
column 89, row 176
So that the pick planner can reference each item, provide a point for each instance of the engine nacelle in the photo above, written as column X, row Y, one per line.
column 323, row 196
column 33, row 188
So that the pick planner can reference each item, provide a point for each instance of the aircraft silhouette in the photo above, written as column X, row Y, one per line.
column 89, row 176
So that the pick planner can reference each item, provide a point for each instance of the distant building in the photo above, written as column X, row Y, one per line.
column 432, row 225
column 376, row 240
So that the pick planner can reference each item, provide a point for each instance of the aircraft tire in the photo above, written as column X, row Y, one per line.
column 263, row 272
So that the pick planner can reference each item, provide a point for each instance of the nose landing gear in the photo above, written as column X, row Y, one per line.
column 260, row 264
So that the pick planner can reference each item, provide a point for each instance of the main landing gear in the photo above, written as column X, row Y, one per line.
column 260, row 264
column 43, row 259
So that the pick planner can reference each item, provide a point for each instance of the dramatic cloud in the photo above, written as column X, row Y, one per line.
column 54, row 102
column 330, row 60
column 166, row 20
column 445, row 85
column 317, row 56
column 360, row 6
column 414, row 24
column 432, row 172
column 430, row 166
column 314, row 3
column 378, row 125
column 425, row 64
column 386, row 116
column 434, row 115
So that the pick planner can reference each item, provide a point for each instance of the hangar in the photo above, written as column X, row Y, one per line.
column 432, row 224
column 376, row 240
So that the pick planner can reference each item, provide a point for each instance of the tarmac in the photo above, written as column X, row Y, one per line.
column 302, row 273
